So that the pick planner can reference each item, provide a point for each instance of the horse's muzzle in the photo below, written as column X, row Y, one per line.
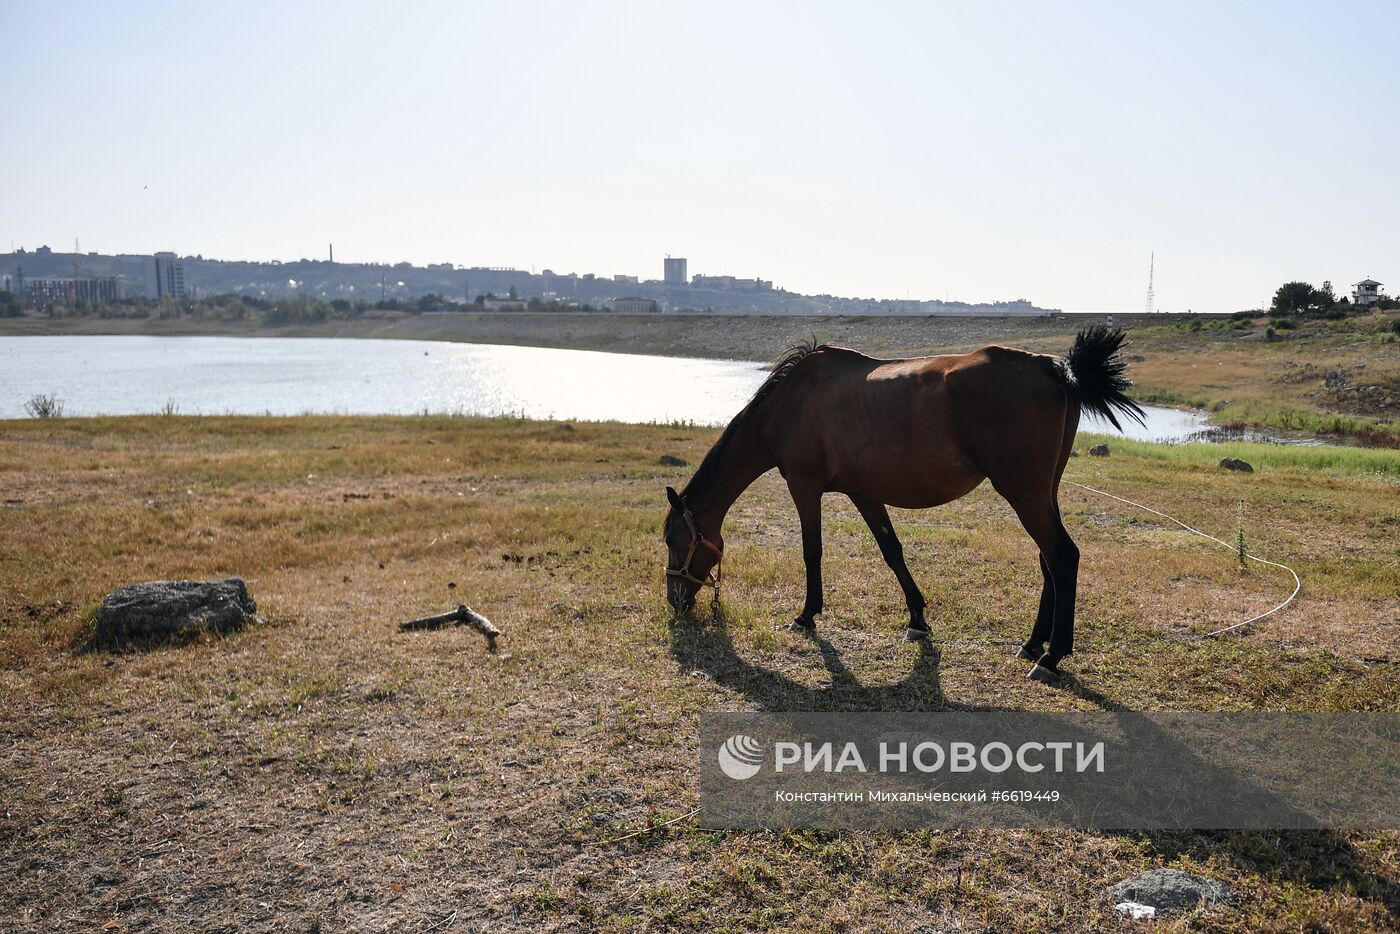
column 679, row 596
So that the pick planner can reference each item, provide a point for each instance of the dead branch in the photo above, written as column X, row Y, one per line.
column 462, row 616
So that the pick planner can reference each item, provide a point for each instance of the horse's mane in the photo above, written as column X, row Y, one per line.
column 704, row 474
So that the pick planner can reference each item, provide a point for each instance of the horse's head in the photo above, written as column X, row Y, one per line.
column 690, row 555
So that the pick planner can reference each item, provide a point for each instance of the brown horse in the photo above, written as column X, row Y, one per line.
column 914, row 434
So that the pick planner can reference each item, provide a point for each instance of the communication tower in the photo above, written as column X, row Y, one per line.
column 1151, row 268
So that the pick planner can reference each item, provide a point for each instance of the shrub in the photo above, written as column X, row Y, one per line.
column 44, row 406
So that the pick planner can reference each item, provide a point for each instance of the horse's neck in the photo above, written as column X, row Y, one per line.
column 738, row 464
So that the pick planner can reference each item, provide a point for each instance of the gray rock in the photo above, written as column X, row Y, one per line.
column 1170, row 890
column 163, row 608
column 1234, row 463
column 1099, row 450
column 671, row 460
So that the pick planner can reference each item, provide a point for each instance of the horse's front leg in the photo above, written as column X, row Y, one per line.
column 809, row 511
column 878, row 518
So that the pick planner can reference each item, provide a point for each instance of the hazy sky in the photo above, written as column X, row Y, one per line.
column 975, row 150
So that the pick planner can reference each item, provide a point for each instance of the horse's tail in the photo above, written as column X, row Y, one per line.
column 1093, row 373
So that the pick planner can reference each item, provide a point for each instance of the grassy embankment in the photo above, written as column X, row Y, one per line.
column 1334, row 378
column 1330, row 378
column 324, row 770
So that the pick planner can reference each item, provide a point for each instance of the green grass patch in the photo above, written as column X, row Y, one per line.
column 1324, row 457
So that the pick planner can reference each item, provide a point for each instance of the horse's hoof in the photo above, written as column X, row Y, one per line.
column 1026, row 655
column 805, row 628
column 915, row 635
column 1044, row 675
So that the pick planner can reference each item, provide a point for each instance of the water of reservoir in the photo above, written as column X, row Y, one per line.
column 128, row 375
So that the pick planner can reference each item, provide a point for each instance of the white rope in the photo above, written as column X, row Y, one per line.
column 1297, row 582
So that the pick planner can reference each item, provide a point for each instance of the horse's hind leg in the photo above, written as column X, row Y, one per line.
column 1034, row 647
column 878, row 518
column 1060, row 556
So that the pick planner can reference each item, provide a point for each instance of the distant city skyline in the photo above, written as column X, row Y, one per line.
column 976, row 152
column 46, row 275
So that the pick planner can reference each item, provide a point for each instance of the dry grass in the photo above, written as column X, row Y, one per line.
column 325, row 772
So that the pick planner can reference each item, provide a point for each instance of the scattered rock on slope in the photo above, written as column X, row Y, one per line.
column 1170, row 890
column 163, row 608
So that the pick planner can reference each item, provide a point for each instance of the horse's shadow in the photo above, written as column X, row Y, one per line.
column 706, row 646
column 1319, row 859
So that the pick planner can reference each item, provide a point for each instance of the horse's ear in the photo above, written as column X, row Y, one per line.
column 675, row 500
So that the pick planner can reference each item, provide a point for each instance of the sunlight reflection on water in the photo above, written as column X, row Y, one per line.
column 1162, row 425
column 128, row 375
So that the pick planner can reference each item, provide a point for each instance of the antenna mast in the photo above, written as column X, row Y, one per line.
column 1151, row 268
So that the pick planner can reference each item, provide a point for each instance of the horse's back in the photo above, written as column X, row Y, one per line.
column 881, row 428
column 922, row 430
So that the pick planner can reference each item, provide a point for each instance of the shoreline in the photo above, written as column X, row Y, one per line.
column 1235, row 371
column 707, row 337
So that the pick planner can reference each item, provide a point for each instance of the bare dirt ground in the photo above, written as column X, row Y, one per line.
column 323, row 771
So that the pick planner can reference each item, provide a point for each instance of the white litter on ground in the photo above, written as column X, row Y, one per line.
column 1135, row 911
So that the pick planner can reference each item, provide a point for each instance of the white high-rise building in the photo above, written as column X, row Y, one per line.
column 165, row 275
column 675, row 270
